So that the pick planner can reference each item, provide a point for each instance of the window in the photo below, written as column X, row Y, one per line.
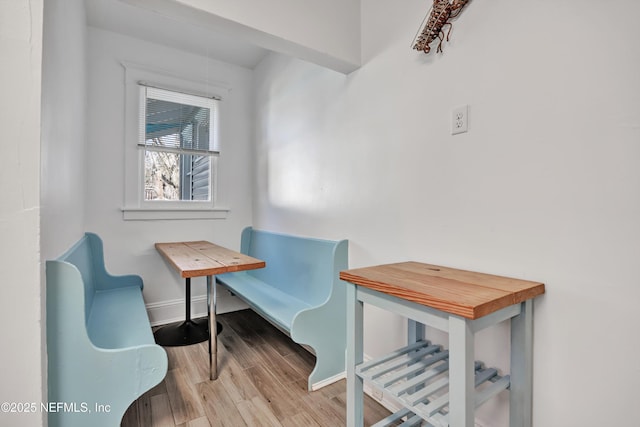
column 171, row 144
column 178, row 136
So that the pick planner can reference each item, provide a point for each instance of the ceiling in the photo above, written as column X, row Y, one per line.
column 123, row 18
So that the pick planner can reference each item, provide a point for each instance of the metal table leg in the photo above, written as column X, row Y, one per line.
column 213, row 336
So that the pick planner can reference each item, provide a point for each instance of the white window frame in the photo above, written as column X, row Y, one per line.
column 135, row 206
column 151, row 92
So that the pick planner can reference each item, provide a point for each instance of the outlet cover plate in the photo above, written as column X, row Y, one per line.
column 460, row 120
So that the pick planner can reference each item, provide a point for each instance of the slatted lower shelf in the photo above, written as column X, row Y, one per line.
column 418, row 377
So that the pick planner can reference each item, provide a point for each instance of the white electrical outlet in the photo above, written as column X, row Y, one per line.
column 460, row 120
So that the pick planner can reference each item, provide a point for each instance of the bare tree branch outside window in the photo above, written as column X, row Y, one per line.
column 162, row 174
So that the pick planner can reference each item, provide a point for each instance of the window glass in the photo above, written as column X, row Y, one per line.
column 178, row 142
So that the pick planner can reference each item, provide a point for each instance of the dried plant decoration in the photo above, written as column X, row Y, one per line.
column 433, row 24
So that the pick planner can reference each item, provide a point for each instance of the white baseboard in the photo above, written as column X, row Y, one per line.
column 161, row 313
column 328, row 381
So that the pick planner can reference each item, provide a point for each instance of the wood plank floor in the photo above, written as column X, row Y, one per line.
column 262, row 382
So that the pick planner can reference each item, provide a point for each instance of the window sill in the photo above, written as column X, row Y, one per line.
column 147, row 214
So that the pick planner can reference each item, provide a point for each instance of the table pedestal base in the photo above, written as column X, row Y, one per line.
column 187, row 332
column 190, row 331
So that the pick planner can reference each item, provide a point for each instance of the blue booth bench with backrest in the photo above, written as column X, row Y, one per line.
column 100, row 347
column 299, row 292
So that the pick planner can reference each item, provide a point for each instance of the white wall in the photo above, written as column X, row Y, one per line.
column 63, row 138
column 63, row 126
column 129, row 245
column 331, row 26
column 20, row 290
column 326, row 32
column 544, row 186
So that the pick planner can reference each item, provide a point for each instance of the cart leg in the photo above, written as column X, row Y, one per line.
column 521, row 388
column 415, row 331
column 355, row 414
column 461, row 373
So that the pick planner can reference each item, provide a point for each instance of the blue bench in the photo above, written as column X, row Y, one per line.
column 101, row 351
column 299, row 292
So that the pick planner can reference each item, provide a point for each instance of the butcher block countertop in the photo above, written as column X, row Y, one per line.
column 465, row 293
column 202, row 258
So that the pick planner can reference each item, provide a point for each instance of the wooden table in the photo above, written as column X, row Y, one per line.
column 197, row 259
column 455, row 301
